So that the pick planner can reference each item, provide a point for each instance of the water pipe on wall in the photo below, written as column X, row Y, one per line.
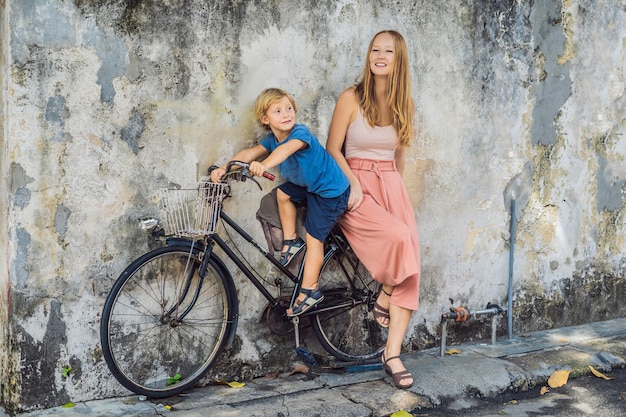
column 462, row 314
column 516, row 195
column 509, row 307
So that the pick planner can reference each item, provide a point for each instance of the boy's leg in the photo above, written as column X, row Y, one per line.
column 322, row 215
column 312, row 267
column 314, row 259
column 292, row 244
column 287, row 214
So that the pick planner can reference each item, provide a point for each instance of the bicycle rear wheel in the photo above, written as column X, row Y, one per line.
column 162, row 325
column 349, row 332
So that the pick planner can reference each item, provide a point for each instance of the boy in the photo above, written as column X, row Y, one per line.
column 313, row 179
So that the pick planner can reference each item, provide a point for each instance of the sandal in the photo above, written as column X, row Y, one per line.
column 398, row 376
column 381, row 313
column 313, row 298
column 294, row 247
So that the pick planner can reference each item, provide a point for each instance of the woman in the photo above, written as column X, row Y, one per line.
column 372, row 125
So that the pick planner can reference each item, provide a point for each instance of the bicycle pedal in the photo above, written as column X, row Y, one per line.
column 306, row 356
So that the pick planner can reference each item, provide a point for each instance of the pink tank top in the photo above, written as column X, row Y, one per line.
column 366, row 142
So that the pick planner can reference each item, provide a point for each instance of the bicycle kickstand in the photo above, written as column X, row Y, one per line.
column 306, row 356
column 296, row 330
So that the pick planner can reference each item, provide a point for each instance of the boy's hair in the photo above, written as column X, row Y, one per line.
column 265, row 100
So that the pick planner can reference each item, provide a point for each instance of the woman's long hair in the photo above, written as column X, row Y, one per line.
column 398, row 90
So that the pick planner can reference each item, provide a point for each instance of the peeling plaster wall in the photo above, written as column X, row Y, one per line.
column 6, row 374
column 108, row 101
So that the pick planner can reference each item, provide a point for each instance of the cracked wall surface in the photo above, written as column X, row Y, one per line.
column 104, row 102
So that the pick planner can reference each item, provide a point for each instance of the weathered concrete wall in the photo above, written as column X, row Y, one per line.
column 7, row 382
column 107, row 101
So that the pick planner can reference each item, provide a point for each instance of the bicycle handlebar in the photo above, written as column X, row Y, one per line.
column 245, row 170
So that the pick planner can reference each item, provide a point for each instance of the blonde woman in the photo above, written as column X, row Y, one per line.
column 372, row 125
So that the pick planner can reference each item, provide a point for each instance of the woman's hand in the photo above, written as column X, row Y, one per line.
column 356, row 196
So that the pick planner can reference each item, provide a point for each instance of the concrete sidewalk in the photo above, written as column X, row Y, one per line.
column 478, row 370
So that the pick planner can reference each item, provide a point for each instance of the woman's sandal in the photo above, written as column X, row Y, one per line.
column 294, row 246
column 313, row 298
column 381, row 313
column 398, row 376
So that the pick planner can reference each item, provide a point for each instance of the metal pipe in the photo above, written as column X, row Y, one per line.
column 509, row 312
column 461, row 314
column 444, row 336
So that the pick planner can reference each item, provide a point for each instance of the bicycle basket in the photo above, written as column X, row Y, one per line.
column 192, row 212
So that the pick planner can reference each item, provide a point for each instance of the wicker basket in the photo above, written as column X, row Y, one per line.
column 192, row 212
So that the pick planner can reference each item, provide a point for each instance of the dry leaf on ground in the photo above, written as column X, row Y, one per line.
column 558, row 378
column 544, row 390
column 232, row 384
column 453, row 351
column 599, row 374
column 302, row 369
column 401, row 413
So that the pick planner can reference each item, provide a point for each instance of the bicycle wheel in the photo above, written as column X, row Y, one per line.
column 162, row 325
column 349, row 332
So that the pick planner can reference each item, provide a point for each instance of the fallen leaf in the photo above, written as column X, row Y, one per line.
column 544, row 390
column 599, row 374
column 513, row 402
column 401, row 413
column 69, row 405
column 232, row 384
column 272, row 375
column 453, row 351
column 563, row 341
column 168, row 407
column 302, row 369
column 558, row 378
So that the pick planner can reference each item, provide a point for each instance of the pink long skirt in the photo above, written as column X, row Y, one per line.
column 383, row 231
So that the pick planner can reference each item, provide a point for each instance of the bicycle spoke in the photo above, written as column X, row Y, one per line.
column 148, row 345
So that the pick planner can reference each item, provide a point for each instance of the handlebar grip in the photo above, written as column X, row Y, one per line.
column 269, row 176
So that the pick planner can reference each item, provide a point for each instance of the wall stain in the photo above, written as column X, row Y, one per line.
column 133, row 130
column 40, row 362
column 596, row 293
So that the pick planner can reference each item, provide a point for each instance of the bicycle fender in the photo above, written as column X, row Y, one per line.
column 179, row 241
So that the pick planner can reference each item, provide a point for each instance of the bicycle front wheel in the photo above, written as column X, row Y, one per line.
column 163, row 326
column 345, row 326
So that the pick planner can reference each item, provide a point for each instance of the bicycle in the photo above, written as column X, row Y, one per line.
column 173, row 310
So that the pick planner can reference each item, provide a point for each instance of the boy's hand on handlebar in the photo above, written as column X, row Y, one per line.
column 217, row 174
column 257, row 168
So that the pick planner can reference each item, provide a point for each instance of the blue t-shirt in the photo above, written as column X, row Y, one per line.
column 310, row 167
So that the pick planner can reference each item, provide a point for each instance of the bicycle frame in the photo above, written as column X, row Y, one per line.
column 168, row 283
column 295, row 278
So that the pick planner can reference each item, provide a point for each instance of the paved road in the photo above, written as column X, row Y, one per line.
column 476, row 382
column 584, row 396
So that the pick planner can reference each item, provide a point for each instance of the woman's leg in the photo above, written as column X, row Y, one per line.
column 398, row 324
column 381, row 308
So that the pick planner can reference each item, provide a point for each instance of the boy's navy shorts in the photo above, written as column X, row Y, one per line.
column 321, row 213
